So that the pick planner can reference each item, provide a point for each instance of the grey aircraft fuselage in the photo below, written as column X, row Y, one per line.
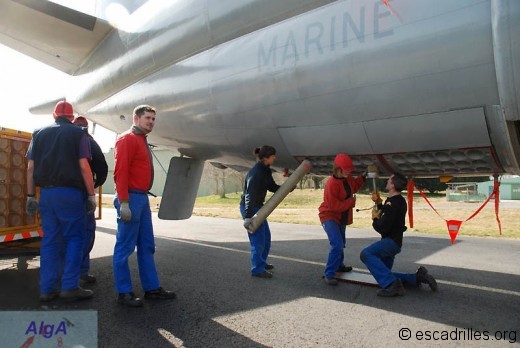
column 425, row 88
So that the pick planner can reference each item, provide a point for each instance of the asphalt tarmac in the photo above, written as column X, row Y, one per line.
column 206, row 262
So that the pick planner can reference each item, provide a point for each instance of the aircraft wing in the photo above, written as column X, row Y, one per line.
column 53, row 34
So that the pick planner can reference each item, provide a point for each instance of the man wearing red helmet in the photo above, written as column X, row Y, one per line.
column 336, row 213
column 99, row 168
column 58, row 163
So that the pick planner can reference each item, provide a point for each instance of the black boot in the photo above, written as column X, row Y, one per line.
column 49, row 296
column 330, row 281
column 88, row 279
column 76, row 294
column 159, row 294
column 264, row 274
column 129, row 299
column 343, row 269
column 423, row 277
column 394, row 289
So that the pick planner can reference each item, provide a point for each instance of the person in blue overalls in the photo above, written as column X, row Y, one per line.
column 99, row 168
column 58, row 163
column 133, row 176
column 335, row 213
column 258, row 180
column 389, row 221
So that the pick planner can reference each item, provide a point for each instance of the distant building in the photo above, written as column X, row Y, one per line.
column 464, row 192
column 509, row 188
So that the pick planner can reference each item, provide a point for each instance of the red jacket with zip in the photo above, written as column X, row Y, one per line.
column 133, row 165
column 335, row 200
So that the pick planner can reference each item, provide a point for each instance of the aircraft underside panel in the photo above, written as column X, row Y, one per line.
column 461, row 162
column 455, row 142
column 444, row 130
column 448, row 130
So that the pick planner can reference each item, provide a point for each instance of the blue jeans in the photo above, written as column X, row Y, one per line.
column 89, row 244
column 337, row 240
column 379, row 259
column 260, row 244
column 63, row 211
column 138, row 232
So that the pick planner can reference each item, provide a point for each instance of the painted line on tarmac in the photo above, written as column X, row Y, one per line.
column 445, row 282
column 246, row 252
column 478, row 287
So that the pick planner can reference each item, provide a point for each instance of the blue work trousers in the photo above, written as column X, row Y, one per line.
column 63, row 211
column 260, row 244
column 337, row 240
column 138, row 232
column 379, row 259
column 89, row 244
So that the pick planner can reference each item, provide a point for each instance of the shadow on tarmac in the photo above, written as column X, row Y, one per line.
column 212, row 280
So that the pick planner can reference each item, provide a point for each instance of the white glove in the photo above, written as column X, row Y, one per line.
column 91, row 204
column 247, row 223
column 125, row 212
column 31, row 206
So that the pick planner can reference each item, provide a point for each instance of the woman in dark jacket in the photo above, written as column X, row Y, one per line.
column 258, row 180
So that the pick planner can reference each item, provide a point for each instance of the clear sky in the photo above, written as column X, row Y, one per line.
column 25, row 82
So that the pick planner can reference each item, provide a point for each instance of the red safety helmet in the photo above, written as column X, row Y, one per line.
column 80, row 121
column 63, row 108
column 344, row 162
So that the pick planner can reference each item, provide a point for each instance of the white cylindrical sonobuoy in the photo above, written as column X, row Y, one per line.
column 262, row 214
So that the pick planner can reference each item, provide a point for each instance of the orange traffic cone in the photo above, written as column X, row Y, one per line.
column 453, row 229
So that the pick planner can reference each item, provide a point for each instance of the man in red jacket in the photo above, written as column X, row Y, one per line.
column 133, row 176
column 336, row 213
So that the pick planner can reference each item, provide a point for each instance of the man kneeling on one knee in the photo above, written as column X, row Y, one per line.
column 389, row 221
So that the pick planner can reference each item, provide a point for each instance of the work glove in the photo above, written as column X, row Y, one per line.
column 247, row 223
column 91, row 204
column 376, row 213
column 376, row 198
column 125, row 212
column 31, row 205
